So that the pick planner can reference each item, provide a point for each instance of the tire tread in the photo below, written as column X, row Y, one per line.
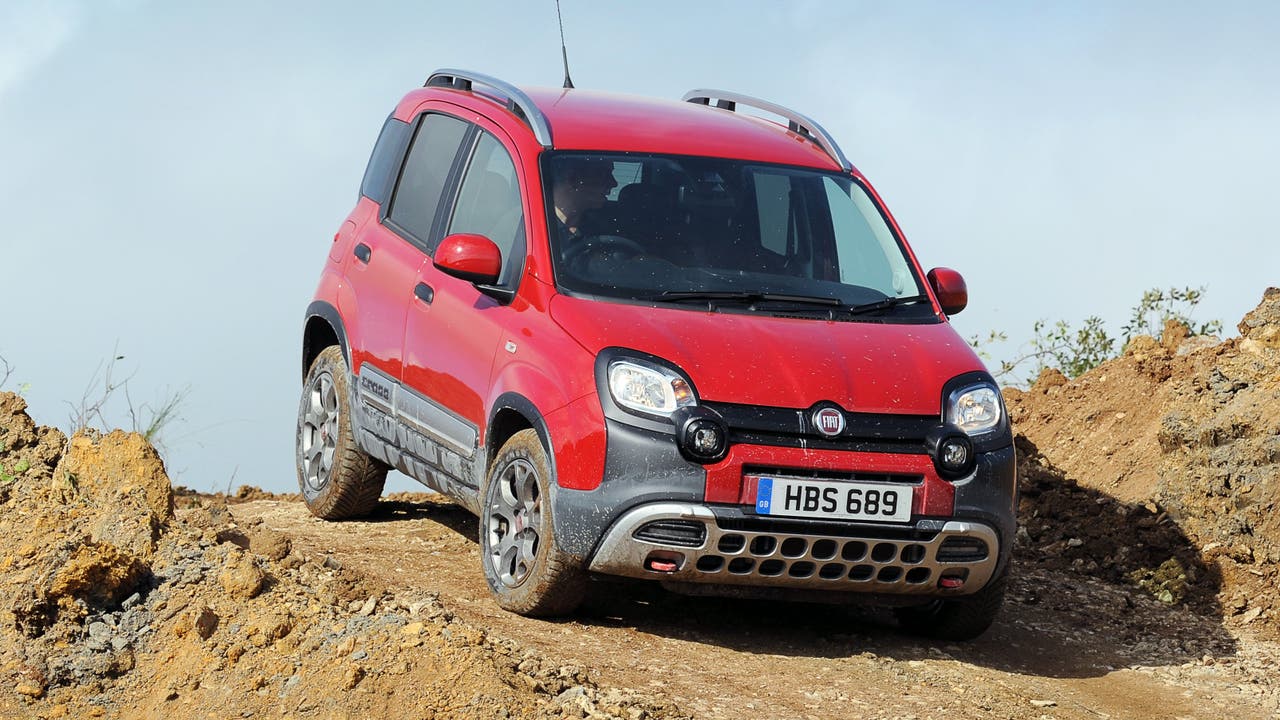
column 356, row 481
column 558, row 583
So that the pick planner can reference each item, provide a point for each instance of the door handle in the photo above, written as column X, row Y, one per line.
column 424, row 293
column 363, row 253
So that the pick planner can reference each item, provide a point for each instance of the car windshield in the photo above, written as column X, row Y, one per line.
column 682, row 229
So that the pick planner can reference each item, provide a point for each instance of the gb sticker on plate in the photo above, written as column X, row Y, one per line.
column 764, row 491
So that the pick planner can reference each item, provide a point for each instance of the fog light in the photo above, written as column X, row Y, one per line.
column 951, row 450
column 705, row 437
column 955, row 454
column 701, row 434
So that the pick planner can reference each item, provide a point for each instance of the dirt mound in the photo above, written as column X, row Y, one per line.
column 112, row 604
column 251, row 493
column 1178, row 442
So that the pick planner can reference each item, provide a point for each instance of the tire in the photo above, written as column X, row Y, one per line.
column 526, row 570
column 964, row 618
column 337, row 478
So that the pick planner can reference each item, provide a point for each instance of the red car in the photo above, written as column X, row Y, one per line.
column 676, row 341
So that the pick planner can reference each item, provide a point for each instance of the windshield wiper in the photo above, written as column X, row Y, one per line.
column 741, row 296
column 884, row 304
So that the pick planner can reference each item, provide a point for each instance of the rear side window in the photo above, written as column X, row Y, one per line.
column 380, row 175
column 489, row 204
column 426, row 170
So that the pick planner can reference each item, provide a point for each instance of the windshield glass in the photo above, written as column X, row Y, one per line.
column 680, row 229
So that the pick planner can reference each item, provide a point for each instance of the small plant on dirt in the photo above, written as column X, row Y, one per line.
column 1167, row 583
column 1072, row 350
column 150, row 420
column 18, row 469
column 1077, row 350
column 1159, row 306
column 147, row 419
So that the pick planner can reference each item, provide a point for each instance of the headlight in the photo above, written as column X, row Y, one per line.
column 975, row 409
column 648, row 388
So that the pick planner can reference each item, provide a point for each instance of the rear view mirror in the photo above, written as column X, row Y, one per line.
column 949, row 287
column 474, row 258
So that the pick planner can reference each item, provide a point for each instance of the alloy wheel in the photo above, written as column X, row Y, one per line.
column 319, row 433
column 514, row 521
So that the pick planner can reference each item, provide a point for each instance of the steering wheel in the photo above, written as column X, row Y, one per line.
column 606, row 243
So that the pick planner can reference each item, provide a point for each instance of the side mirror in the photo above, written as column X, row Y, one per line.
column 949, row 287
column 473, row 258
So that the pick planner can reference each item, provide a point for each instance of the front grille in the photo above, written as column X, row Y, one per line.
column 680, row 533
column 770, row 552
column 906, row 446
column 791, row 427
column 848, row 562
column 836, row 475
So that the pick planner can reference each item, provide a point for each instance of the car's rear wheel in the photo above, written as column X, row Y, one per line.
column 337, row 478
column 963, row 618
column 526, row 570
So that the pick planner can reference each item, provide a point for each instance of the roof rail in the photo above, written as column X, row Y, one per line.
column 516, row 101
column 796, row 122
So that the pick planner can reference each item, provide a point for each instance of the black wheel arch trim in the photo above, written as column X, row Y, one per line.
column 524, row 407
column 328, row 313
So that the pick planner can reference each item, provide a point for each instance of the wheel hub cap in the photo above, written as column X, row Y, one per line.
column 514, row 520
column 317, row 438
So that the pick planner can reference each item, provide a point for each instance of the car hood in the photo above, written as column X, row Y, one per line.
column 757, row 359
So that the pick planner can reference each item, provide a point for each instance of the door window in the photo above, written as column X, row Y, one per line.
column 422, row 181
column 489, row 204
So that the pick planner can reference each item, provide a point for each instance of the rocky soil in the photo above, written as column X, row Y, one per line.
column 1179, row 443
column 114, row 604
column 1145, row 587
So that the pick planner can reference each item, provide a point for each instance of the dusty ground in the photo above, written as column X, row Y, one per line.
column 1145, row 587
column 1067, row 646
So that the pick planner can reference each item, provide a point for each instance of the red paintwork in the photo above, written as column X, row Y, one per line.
column 472, row 257
column 578, row 441
column 786, row 362
column 377, row 305
column 950, row 289
column 457, row 349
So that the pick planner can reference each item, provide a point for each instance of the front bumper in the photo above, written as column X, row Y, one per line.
column 646, row 481
column 695, row 543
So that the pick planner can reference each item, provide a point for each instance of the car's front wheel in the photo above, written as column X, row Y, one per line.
column 338, row 480
column 526, row 570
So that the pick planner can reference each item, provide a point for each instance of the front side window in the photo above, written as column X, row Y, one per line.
column 722, row 232
column 489, row 204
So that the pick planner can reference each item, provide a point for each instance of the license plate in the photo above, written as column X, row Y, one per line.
column 872, row 502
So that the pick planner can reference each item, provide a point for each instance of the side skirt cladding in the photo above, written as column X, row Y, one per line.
column 418, row 437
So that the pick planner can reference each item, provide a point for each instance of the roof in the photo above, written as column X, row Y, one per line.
column 704, row 123
column 591, row 120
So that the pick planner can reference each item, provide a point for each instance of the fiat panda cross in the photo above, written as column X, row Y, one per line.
column 675, row 341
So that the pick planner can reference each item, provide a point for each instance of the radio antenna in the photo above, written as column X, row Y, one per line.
column 564, row 54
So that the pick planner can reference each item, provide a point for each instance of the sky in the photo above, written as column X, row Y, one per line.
column 172, row 173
